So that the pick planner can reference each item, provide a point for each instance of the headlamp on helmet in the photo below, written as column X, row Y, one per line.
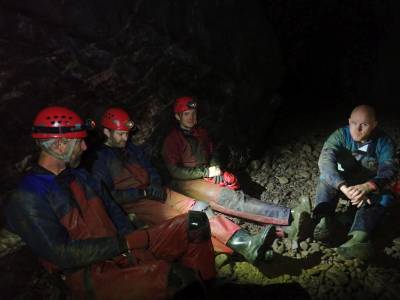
column 117, row 119
column 183, row 104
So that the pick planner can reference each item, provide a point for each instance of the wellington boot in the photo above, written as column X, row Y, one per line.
column 253, row 248
column 300, row 228
column 324, row 229
column 358, row 246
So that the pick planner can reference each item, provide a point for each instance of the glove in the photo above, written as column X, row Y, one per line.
column 231, row 181
column 229, row 178
column 155, row 192
column 138, row 239
column 214, row 171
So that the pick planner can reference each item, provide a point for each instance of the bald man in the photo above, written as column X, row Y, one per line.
column 357, row 162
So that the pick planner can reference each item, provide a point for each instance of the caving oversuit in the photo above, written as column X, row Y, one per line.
column 188, row 154
column 71, row 223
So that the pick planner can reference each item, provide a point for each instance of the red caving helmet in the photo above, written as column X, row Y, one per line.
column 117, row 119
column 183, row 104
column 58, row 122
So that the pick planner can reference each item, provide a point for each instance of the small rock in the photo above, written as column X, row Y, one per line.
column 304, row 174
column 314, row 247
column 225, row 271
column 396, row 241
column 282, row 180
column 287, row 243
column 304, row 245
column 220, row 260
column 269, row 187
column 295, row 245
column 396, row 255
column 388, row 251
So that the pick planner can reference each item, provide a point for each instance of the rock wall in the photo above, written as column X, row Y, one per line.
column 140, row 55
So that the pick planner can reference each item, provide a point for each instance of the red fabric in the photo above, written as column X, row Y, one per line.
column 177, row 150
column 147, row 277
column 132, row 176
column 223, row 228
column 230, row 181
column 117, row 280
column 58, row 117
column 181, row 104
column 90, row 220
column 139, row 239
column 154, row 212
column 169, row 241
column 116, row 119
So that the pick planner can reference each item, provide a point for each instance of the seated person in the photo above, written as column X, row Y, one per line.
column 193, row 165
column 135, row 184
column 77, row 230
column 357, row 161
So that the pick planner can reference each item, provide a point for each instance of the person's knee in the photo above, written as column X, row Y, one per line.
column 199, row 227
column 203, row 206
column 326, row 198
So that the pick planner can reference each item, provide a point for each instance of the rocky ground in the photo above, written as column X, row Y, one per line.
column 286, row 172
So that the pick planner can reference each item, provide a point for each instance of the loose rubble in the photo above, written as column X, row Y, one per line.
column 394, row 251
column 9, row 242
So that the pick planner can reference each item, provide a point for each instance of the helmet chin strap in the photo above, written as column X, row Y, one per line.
column 66, row 157
column 68, row 154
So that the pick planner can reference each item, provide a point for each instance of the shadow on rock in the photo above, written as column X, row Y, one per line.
column 281, row 265
column 247, row 184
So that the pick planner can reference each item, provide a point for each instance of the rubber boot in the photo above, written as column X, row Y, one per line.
column 253, row 248
column 324, row 228
column 299, row 229
column 359, row 246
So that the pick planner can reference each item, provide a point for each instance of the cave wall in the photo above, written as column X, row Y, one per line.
column 140, row 55
column 243, row 61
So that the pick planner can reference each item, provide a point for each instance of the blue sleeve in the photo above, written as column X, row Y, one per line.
column 142, row 159
column 34, row 221
column 327, row 162
column 387, row 166
column 102, row 174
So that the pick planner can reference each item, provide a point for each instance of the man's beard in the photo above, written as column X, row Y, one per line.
column 114, row 143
